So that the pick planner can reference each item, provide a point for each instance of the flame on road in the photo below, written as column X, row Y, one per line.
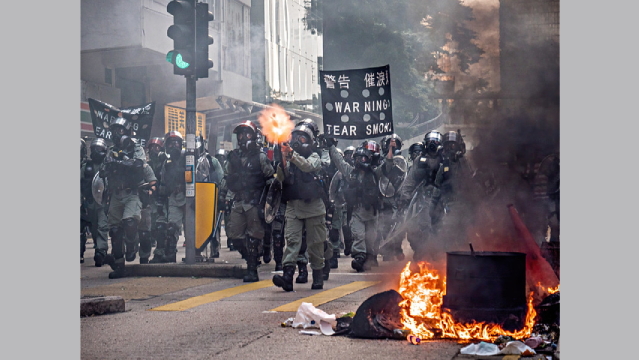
column 422, row 314
column 276, row 124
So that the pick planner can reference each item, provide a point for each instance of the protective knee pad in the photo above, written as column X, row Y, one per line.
column 172, row 236
column 159, row 233
column 253, row 246
column 117, row 241
column 278, row 240
column 130, row 226
column 145, row 240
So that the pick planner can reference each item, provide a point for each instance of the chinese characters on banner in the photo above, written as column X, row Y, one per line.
column 175, row 119
column 356, row 104
column 140, row 117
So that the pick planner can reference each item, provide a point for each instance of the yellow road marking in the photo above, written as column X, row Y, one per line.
column 214, row 296
column 328, row 295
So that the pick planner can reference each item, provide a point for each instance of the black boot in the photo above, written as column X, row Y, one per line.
column 99, row 257
column 118, row 269
column 333, row 262
column 317, row 279
column 285, row 281
column 252, row 270
column 358, row 263
column 303, row 275
column 253, row 248
column 326, row 269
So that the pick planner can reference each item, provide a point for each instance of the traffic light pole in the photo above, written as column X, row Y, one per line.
column 190, row 218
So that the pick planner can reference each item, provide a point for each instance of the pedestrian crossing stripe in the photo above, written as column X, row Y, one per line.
column 327, row 295
column 214, row 296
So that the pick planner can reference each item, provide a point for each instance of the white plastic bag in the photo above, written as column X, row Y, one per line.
column 517, row 348
column 308, row 316
column 481, row 348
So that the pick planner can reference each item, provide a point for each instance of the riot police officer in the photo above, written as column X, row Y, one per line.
column 390, row 184
column 305, row 212
column 170, row 199
column 362, row 193
column 96, row 216
column 125, row 169
column 248, row 173
column 421, row 190
column 415, row 150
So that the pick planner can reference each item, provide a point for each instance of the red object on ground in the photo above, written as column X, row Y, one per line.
column 539, row 271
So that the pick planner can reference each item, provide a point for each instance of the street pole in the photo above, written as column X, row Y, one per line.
column 190, row 218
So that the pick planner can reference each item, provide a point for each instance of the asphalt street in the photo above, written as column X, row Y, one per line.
column 206, row 317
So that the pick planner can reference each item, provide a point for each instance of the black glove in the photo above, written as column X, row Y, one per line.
column 331, row 141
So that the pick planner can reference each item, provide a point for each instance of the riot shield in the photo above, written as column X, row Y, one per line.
column 272, row 204
column 97, row 188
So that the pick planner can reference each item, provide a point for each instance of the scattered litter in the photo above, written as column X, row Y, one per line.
column 511, row 348
column 414, row 339
column 310, row 332
column 308, row 316
column 481, row 348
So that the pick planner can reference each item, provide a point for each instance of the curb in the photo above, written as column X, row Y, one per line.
column 101, row 305
column 184, row 270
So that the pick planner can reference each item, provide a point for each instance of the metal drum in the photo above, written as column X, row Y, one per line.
column 487, row 287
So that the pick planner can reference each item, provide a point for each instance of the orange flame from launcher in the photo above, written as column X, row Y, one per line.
column 275, row 123
column 421, row 311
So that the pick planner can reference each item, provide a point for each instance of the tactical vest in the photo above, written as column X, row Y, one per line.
column 301, row 185
column 246, row 180
column 426, row 169
column 172, row 176
column 362, row 190
column 125, row 174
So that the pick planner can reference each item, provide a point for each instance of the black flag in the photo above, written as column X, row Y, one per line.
column 356, row 104
column 140, row 117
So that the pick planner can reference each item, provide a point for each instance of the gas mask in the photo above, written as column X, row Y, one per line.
column 301, row 143
column 246, row 139
column 362, row 159
column 173, row 148
column 98, row 155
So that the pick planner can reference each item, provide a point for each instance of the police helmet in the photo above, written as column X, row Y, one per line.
column 349, row 150
column 83, row 148
column 433, row 142
column 98, row 148
column 415, row 150
column 302, row 139
column 156, row 141
column 246, row 134
column 362, row 157
column 312, row 124
column 120, row 126
column 384, row 143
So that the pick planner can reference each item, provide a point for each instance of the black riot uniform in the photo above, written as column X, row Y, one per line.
column 170, row 199
column 248, row 173
column 420, row 194
column 124, row 169
column 94, row 215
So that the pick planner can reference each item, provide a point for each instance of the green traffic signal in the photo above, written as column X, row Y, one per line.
column 176, row 59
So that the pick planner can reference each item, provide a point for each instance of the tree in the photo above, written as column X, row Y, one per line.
column 403, row 34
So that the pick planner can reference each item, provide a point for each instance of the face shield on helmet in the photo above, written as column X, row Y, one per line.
column 433, row 142
column 302, row 140
column 246, row 133
column 155, row 146
column 348, row 154
column 221, row 155
column 362, row 158
column 312, row 125
column 450, row 142
column 386, row 141
column 173, row 144
column 98, row 150
column 83, row 149
column 120, row 134
column 374, row 148
column 415, row 150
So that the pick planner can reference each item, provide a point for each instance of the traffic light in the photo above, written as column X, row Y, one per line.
column 183, row 34
column 203, row 40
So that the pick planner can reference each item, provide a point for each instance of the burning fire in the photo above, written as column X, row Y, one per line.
column 275, row 123
column 553, row 290
column 421, row 311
